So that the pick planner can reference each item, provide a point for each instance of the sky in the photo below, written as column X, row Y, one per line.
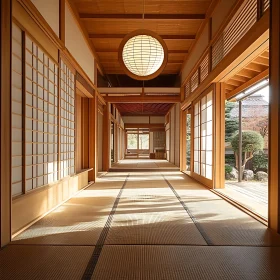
column 264, row 93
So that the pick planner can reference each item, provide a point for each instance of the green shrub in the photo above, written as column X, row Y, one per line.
column 228, row 169
column 260, row 161
column 230, row 159
column 252, row 141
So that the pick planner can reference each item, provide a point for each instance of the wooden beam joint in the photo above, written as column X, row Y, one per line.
column 89, row 16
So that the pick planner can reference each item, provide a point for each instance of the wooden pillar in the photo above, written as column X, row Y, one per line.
column 5, row 168
column 85, row 133
column 116, row 142
column 183, row 132
column 219, row 137
column 106, row 137
column 93, row 111
column 274, row 116
column 191, row 111
column 62, row 20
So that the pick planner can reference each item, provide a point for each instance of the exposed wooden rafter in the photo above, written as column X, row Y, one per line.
column 140, row 16
column 177, row 22
column 142, row 99
column 243, row 79
column 121, row 36
column 115, row 50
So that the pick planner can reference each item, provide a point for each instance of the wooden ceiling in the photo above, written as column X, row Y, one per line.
column 254, row 71
column 143, row 109
column 108, row 21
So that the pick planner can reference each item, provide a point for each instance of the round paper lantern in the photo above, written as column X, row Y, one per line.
column 143, row 54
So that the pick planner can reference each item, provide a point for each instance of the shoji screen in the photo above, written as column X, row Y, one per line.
column 17, row 178
column 203, row 136
column 67, row 121
column 206, row 136
column 41, row 119
column 100, row 136
column 197, row 138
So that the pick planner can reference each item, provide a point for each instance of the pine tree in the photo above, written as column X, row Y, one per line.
column 231, row 124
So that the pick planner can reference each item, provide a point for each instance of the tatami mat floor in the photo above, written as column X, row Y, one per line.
column 131, row 165
column 144, row 225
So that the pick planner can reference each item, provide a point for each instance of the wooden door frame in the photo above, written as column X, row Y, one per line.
column 274, row 118
column 5, row 168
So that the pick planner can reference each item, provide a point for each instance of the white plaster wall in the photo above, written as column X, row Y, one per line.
column 157, row 119
column 196, row 52
column 134, row 119
column 220, row 14
column 77, row 45
column 49, row 9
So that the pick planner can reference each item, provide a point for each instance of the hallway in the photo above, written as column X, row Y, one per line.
column 142, row 225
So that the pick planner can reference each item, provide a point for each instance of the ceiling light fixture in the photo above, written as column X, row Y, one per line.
column 143, row 54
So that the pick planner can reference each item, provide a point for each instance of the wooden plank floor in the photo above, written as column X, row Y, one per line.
column 144, row 225
column 252, row 195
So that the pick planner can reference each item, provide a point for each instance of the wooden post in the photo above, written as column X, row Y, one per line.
column 219, row 137
column 5, row 168
column 62, row 20
column 274, row 117
column 85, row 133
column 182, row 92
column 183, row 132
column 93, row 111
column 106, row 137
column 240, row 173
column 191, row 111
column 116, row 142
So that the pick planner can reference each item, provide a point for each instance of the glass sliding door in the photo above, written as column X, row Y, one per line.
column 206, row 136
column 203, row 139
column 138, row 144
column 188, row 140
column 197, row 138
column 132, row 141
column 247, row 149
column 143, row 141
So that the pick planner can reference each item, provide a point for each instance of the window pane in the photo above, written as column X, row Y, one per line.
column 132, row 140
column 144, row 141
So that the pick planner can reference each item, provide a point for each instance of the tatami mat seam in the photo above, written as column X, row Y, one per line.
column 100, row 243
column 196, row 223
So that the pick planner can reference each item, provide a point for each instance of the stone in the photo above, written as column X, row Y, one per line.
column 262, row 176
column 233, row 174
column 248, row 175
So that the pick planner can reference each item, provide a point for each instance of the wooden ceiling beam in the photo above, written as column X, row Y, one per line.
column 265, row 54
column 234, row 83
column 254, row 67
column 248, row 84
column 246, row 73
column 89, row 16
column 121, row 36
column 147, row 125
column 241, row 79
column 262, row 61
column 143, row 99
column 116, row 50
column 230, row 87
